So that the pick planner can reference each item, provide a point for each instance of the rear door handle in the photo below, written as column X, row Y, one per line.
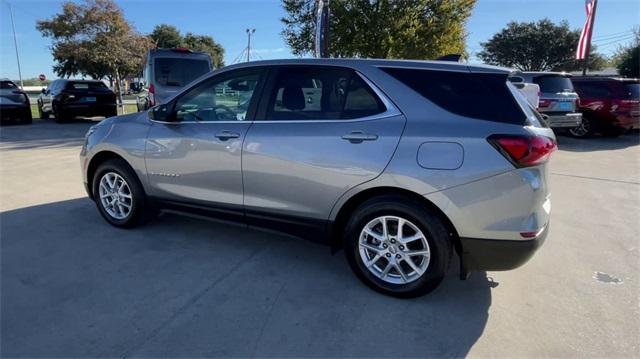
column 227, row 135
column 359, row 136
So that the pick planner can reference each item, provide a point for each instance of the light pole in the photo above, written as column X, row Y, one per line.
column 249, row 33
column 15, row 41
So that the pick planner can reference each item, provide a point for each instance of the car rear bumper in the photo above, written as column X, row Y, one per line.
column 16, row 112
column 498, row 254
column 568, row 120
column 90, row 109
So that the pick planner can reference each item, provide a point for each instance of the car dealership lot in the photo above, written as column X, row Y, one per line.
column 71, row 285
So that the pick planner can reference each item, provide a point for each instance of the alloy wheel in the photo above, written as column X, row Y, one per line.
column 582, row 130
column 394, row 249
column 115, row 195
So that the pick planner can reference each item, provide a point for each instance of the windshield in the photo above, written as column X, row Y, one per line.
column 179, row 72
column 633, row 89
column 7, row 85
column 554, row 83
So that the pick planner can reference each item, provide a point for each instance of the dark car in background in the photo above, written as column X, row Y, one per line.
column 558, row 99
column 66, row 99
column 14, row 103
column 609, row 105
column 167, row 71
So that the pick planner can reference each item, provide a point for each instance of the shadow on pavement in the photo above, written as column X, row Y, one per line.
column 45, row 134
column 598, row 143
column 71, row 285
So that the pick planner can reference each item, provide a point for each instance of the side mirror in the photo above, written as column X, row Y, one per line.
column 162, row 113
column 43, row 91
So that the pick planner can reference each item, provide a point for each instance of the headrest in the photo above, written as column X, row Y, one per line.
column 293, row 98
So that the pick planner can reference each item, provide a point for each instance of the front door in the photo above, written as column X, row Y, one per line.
column 196, row 160
column 319, row 132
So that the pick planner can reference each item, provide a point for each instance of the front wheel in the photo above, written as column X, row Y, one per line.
column 118, row 194
column 397, row 246
column 584, row 130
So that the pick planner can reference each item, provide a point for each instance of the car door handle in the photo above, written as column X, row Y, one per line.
column 227, row 135
column 359, row 136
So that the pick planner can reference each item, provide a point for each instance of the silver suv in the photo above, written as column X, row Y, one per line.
column 400, row 163
column 558, row 98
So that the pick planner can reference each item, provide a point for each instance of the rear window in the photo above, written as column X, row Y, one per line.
column 592, row 89
column 179, row 72
column 86, row 86
column 633, row 90
column 7, row 85
column 554, row 83
column 481, row 96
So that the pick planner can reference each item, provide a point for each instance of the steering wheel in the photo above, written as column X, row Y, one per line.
column 228, row 112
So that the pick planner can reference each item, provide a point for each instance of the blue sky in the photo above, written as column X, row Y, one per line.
column 226, row 21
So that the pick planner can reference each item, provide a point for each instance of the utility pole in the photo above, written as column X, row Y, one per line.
column 15, row 41
column 249, row 33
column 586, row 56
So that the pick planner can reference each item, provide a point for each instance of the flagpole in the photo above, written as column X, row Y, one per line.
column 585, row 65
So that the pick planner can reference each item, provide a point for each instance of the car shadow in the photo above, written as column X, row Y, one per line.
column 71, row 285
column 45, row 134
column 597, row 143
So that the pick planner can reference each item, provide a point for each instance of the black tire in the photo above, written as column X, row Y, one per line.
column 585, row 130
column 139, row 199
column 59, row 114
column 42, row 114
column 432, row 227
column 27, row 118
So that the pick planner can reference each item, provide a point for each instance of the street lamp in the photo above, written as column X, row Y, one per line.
column 249, row 33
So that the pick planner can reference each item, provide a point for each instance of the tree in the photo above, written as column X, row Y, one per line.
column 94, row 39
column 537, row 46
column 627, row 58
column 206, row 44
column 409, row 29
column 166, row 36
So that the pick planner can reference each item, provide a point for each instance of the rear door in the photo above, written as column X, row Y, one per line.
column 319, row 132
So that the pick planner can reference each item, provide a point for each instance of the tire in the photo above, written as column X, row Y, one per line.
column 27, row 119
column 42, row 114
column 427, row 272
column 59, row 114
column 114, row 171
column 585, row 129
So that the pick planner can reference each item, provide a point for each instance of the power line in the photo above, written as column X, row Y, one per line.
column 614, row 37
column 614, row 34
column 616, row 41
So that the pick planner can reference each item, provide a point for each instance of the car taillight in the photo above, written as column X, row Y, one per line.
column 524, row 151
column 544, row 103
column 152, row 97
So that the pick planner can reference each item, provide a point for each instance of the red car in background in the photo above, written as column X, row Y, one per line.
column 609, row 105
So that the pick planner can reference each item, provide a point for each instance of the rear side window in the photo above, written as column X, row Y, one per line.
column 179, row 72
column 481, row 96
column 86, row 86
column 592, row 89
column 6, row 85
column 554, row 83
column 321, row 93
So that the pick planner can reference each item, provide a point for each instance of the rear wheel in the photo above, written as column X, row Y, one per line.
column 26, row 118
column 397, row 247
column 118, row 194
column 584, row 130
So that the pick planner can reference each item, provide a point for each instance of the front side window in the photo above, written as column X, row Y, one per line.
column 223, row 98
column 320, row 93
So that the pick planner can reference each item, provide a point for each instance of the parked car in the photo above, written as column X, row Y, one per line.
column 401, row 163
column 66, row 99
column 609, row 105
column 167, row 71
column 14, row 104
column 558, row 99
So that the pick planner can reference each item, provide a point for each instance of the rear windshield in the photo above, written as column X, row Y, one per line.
column 481, row 96
column 179, row 72
column 7, row 85
column 554, row 83
column 86, row 86
column 633, row 90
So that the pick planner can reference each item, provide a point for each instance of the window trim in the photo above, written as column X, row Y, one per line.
column 390, row 109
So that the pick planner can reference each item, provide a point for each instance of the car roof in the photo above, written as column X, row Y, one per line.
column 604, row 78
column 176, row 53
column 545, row 73
column 355, row 63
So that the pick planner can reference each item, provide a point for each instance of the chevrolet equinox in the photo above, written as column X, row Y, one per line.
column 399, row 163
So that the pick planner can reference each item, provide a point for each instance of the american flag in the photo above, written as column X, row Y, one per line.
column 585, row 36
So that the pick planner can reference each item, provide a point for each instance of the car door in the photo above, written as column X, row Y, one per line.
column 195, row 159
column 319, row 131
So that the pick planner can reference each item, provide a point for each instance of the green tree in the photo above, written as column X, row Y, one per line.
column 93, row 38
column 409, row 29
column 627, row 58
column 537, row 46
column 166, row 36
column 206, row 44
